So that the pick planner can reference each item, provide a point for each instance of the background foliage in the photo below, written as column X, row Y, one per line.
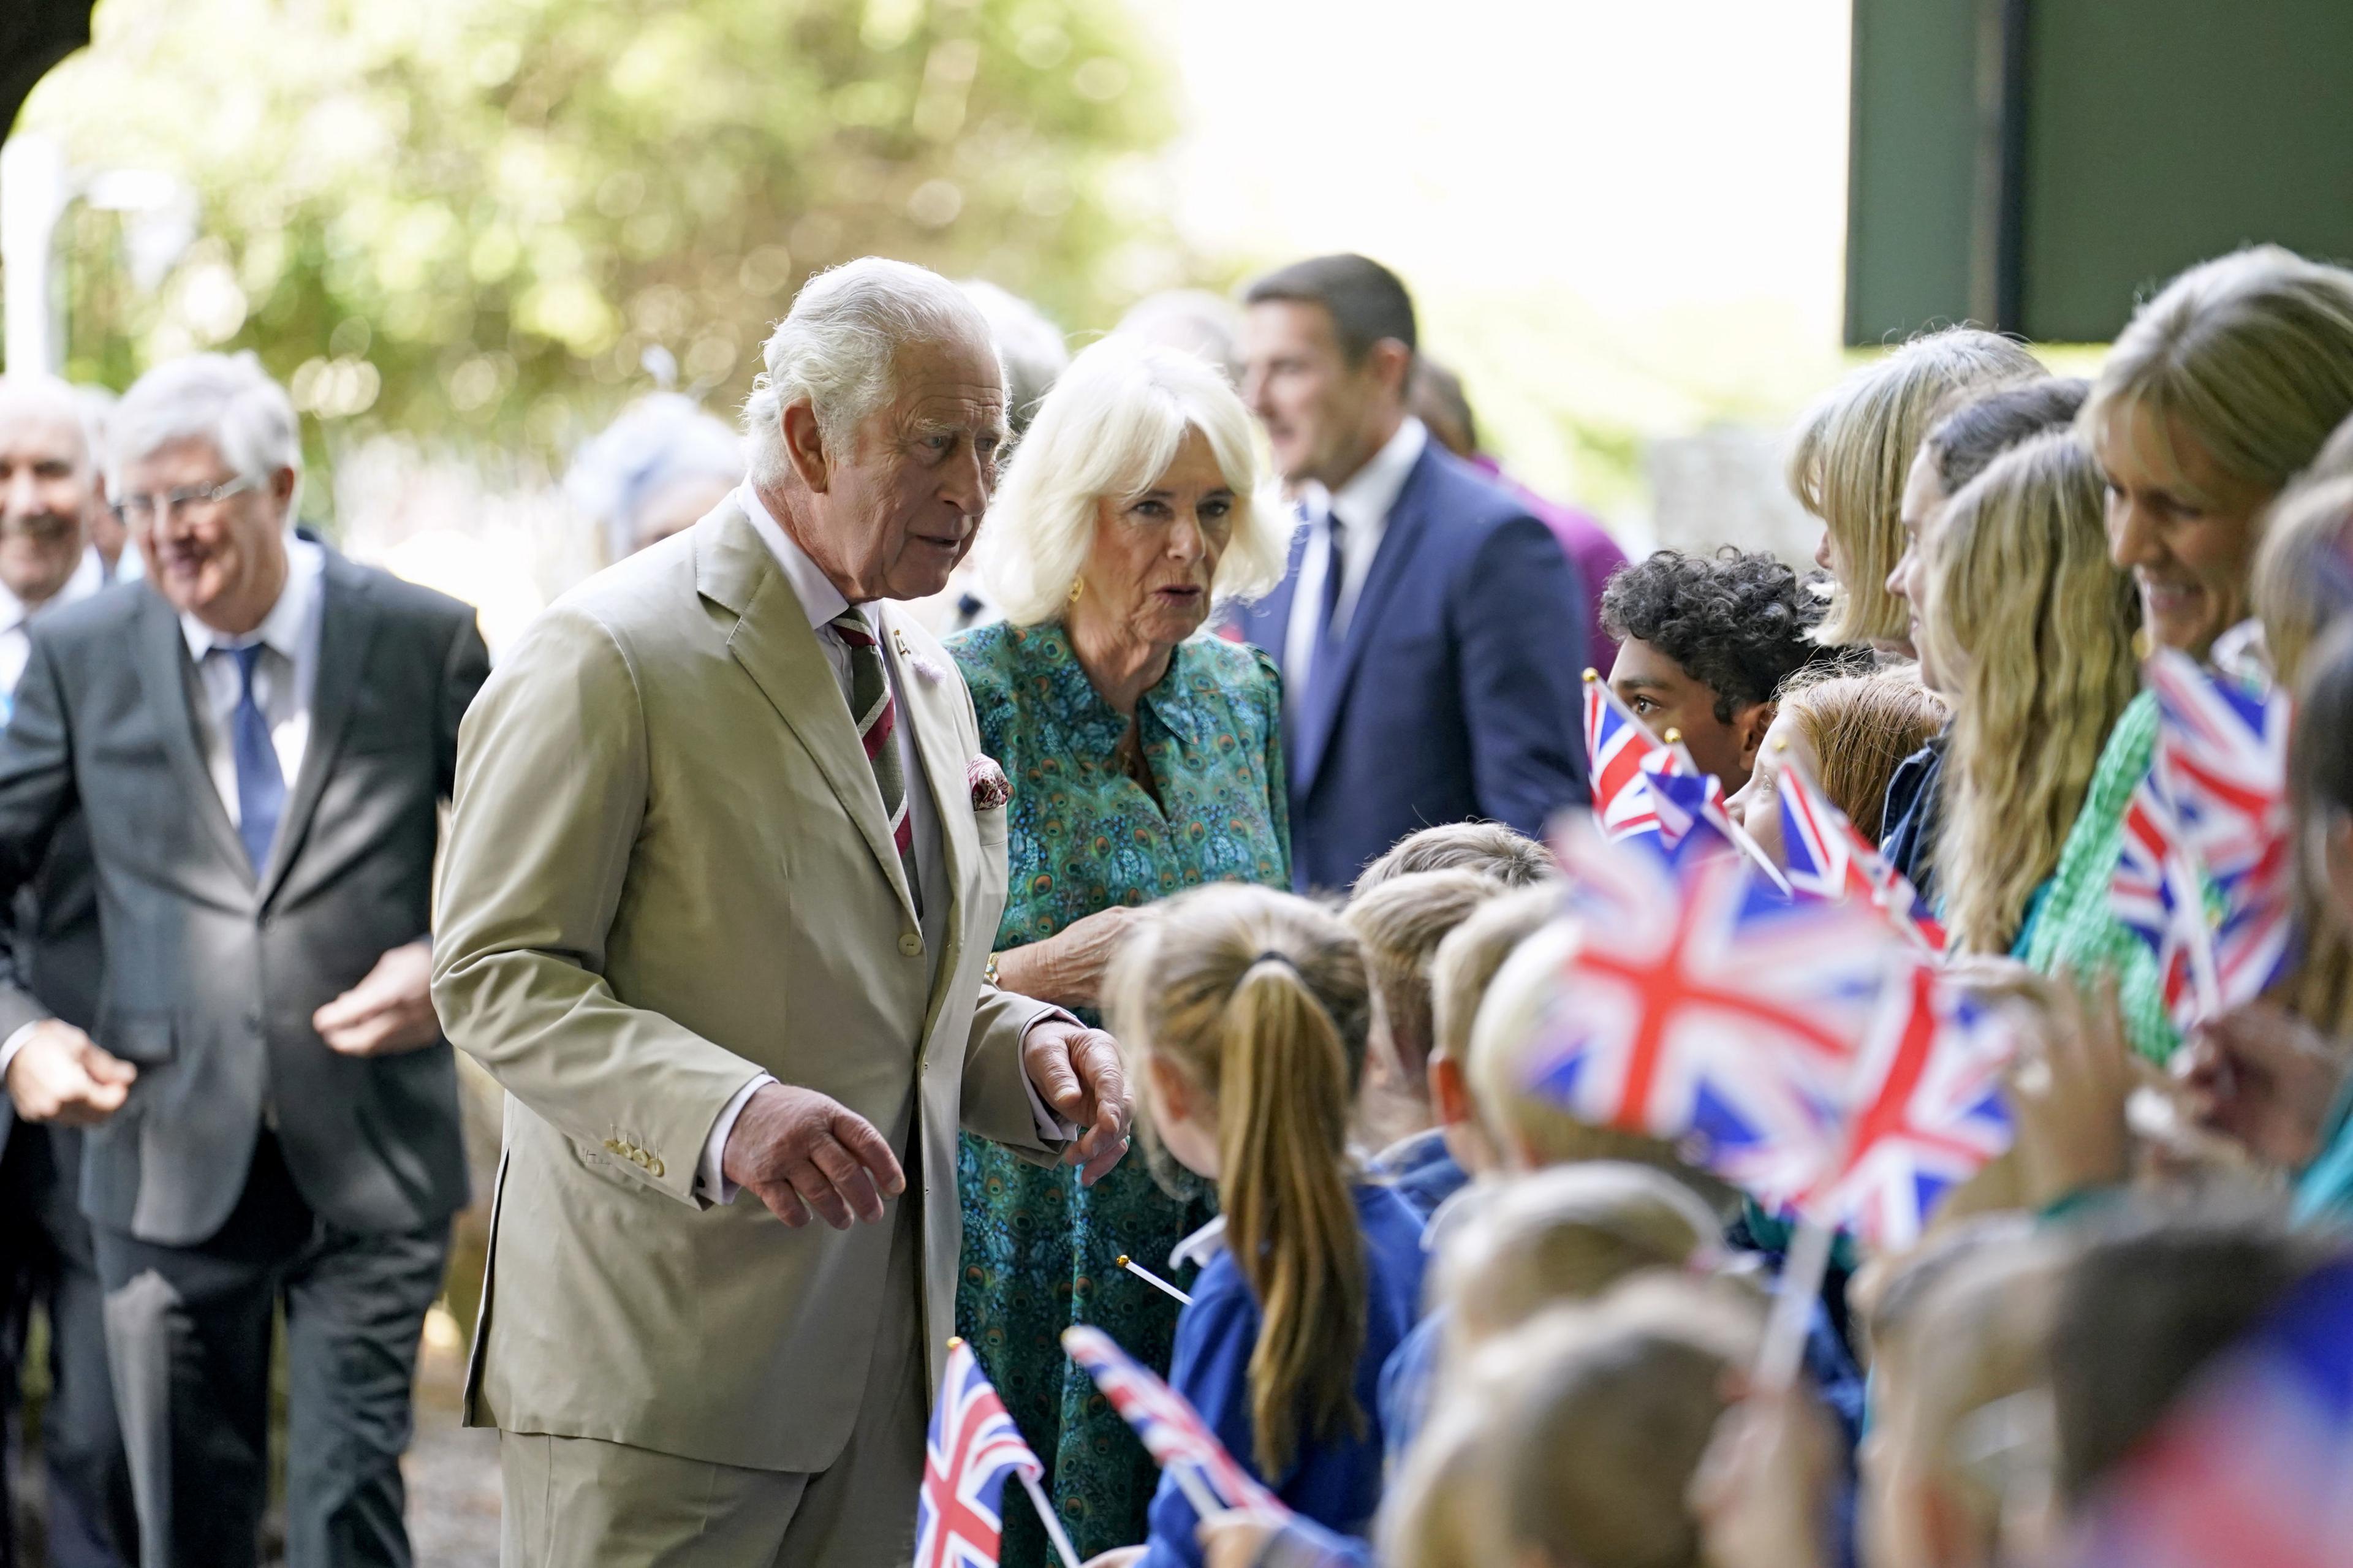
column 469, row 220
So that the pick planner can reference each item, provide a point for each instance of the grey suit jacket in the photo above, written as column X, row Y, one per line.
column 211, row 972
column 57, row 936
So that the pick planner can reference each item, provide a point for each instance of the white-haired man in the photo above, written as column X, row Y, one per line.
column 265, row 730
column 50, row 499
column 722, row 879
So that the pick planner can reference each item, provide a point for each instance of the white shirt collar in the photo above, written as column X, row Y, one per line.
column 820, row 600
column 282, row 628
column 1362, row 504
column 89, row 577
column 1201, row 1245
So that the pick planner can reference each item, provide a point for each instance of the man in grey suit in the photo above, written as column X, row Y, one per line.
column 49, row 494
column 270, row 730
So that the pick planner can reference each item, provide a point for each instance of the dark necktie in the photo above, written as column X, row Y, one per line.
column 877, row 716
column 261, row 781
column 1335, row 578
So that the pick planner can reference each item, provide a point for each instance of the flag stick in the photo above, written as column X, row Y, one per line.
column 1149, row 1278
column 1802, row 1270
column 1046, row 1517
column 1730, row 824
column 2190, row 892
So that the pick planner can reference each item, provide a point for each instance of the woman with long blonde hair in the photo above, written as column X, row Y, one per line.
column 2032, row 625
column 1245, row 1013
column 2220, row 391
column 1854, row 451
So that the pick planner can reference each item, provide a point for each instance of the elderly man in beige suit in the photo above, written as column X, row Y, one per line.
column 716, row 908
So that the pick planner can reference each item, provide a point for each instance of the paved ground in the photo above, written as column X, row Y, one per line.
column 452, row 1472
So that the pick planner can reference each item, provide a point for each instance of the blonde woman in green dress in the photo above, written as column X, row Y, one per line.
column 1145, row 756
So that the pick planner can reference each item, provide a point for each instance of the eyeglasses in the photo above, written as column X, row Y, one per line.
column 141, row 511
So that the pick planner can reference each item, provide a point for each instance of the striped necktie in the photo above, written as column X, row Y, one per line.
column 877, row 716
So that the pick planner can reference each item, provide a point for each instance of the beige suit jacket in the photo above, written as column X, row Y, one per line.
column 667, row 869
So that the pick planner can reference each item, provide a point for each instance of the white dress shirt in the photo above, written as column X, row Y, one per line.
column 1363, row 506
column 282, row 677
column 821, row 602
column 17, row 620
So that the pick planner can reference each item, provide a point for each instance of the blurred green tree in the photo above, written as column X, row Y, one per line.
column 471, row 220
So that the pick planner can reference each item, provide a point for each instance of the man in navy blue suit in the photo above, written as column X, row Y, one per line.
column 1429, row 629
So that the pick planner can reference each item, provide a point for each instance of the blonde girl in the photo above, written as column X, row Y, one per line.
column 1246, row 1012
column 2032, row 625
column 1853, row 452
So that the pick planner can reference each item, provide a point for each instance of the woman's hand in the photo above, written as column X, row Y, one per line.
column 2264, row 1076
column 1067, row 968
column 1234, row 1537
column 2068, row 1093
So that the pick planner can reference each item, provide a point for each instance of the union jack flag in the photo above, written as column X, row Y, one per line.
column 1827, row 858
column 1172, row 1430
column 1926, row 1110
column 2222, row 758
column 972, row 1447
column 1710, row 1012
column 1623, row 757
column 2204, row 875
column 2159, row 895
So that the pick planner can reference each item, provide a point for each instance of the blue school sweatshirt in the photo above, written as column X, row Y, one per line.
column 1334, row 1481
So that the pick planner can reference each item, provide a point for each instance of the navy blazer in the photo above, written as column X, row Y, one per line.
column 1457, row 695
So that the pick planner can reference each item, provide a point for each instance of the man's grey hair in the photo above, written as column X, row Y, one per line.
column 838, row 346
column 226, row 399
column 49, row 397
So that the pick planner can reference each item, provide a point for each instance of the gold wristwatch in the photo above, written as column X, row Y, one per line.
column 989, row 972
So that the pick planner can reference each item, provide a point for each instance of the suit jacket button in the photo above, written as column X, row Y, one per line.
column 910, row 944
column 656, row 1167
column 612, row 1145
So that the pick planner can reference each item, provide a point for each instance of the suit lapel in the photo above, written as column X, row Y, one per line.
column 931, row 711
column 165, row 675
column 1400, row 540
column 776, row 646
column 347, row 614
column 1268, row 622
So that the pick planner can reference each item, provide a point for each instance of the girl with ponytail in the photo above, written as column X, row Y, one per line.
column 1245, row 1012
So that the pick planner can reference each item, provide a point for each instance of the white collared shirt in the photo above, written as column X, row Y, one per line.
column 1363, row 505
column 17, row 621
column 283, row 677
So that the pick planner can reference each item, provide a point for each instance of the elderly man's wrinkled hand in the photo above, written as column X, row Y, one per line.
column 61, row 1075
column 1078, row 1074
column 803, row 1152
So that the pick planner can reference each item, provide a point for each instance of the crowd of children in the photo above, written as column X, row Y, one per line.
column 1514, row 1337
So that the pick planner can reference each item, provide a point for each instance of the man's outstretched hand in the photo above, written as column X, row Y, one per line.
column 61, row 1075
column 805, row 1153
column 1077, row 1072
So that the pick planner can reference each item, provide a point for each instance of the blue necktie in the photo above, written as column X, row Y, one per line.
column 261, row 781
column 1325, row 667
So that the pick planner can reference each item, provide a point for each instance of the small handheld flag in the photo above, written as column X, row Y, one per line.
column 972, row 1447
column 1710, row 1013
column 1829, row 859
column 1171, row 1429
column 1621, row 756
column 1926, row 1112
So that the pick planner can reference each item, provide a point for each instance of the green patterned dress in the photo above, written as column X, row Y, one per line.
column 1040, row 1251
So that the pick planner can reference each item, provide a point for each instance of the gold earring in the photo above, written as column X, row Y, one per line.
column 1076, row 584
